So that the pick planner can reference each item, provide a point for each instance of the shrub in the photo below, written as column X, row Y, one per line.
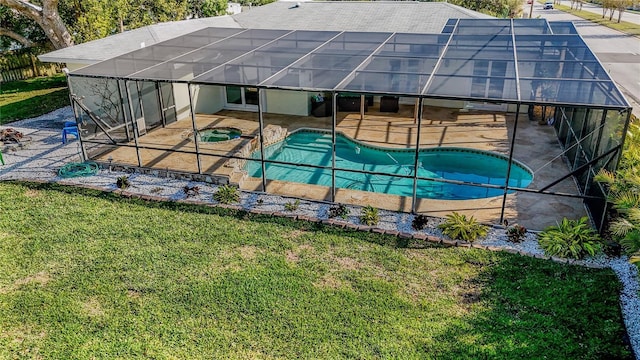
column 419, row 222
column 227, row 194
column 191, row 190
column 123, row 182
column 340, row 210
column 570, row 239
column 292, row 206
column 369, row 216
column 516, row 233
column 459, row 227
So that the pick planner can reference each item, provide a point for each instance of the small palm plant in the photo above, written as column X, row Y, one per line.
column 227, row 194
column 369, row 216
column 457, row 226
column 624, row 197
column 570, row 239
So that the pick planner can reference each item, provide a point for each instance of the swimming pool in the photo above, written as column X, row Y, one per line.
column 313, row 147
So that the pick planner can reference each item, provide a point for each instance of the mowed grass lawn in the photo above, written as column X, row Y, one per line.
column 86, row 275
column 34, row 97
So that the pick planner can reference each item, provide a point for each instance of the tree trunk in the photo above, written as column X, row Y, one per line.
column 620, row 11
column 611, row 14
column 46, row 17
column 15, row 36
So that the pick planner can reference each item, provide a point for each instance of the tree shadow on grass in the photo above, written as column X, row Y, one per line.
column 527, row 308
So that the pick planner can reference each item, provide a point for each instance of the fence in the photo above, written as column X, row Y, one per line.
column 23, row 64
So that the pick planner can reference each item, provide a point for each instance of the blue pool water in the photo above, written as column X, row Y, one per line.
column 313, row 147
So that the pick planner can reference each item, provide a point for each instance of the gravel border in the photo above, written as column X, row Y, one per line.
column 41, row 157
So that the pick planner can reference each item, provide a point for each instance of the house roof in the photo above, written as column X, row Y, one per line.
column 500, row 60
column 391, row 16
column 111, row 46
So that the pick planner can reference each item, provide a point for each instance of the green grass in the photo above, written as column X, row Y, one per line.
column 623, row 26
column 34, row 97
column 85, row 274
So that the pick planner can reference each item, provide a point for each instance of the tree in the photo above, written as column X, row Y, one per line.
column 621, row 6
column 207, row 8
column 16, row 29
column 499, row 8
column 513, row 8
column 95, row 19
column 47, row 18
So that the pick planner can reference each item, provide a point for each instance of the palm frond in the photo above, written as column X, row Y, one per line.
column 631, row 242
column 605, row 176
column 620, row 227
column 633, row 215
column 626, row 200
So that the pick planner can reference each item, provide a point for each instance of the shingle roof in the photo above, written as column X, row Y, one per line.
column 116, row 45
column 389, row 16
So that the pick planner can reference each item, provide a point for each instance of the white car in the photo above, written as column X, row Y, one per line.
column 548, row 5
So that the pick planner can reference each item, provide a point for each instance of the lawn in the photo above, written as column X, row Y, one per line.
column 34, row 97
column 623, row 26
column 85, row 274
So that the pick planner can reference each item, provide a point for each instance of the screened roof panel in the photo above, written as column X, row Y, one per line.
column 563, row 27
column 257, row 66
column 312, row 79
column 204, row 59
column 531, row 27
column 148, row 56
column 473, row 87
column 545, row 69
column 486, row 27
column 579, row 92
column 387, row 83
column 470, row 59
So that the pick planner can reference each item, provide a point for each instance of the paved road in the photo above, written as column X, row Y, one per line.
column 618, row 52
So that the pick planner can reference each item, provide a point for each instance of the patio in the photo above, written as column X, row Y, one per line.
column 441, row 127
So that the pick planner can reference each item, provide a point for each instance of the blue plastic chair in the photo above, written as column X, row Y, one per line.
column 70, row 128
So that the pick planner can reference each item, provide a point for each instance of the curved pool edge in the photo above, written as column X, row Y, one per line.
column 429, row 149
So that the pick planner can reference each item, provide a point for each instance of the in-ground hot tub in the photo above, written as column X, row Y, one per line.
column 218, row 134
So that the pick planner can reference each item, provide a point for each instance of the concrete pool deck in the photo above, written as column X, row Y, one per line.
column 536, row 146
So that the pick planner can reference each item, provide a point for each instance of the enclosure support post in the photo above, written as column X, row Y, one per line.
column 587, row 184
column 260, row 134
column 334, row 107
column 83, row 150
column 506, row 181
column 133, row 120
column 124, row 111
column 196, row 138
column 160, row 104
column 416, row 160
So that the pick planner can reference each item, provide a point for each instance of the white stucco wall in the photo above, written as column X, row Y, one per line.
column 287, row 102
column 181, row 97
column 208, row 99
